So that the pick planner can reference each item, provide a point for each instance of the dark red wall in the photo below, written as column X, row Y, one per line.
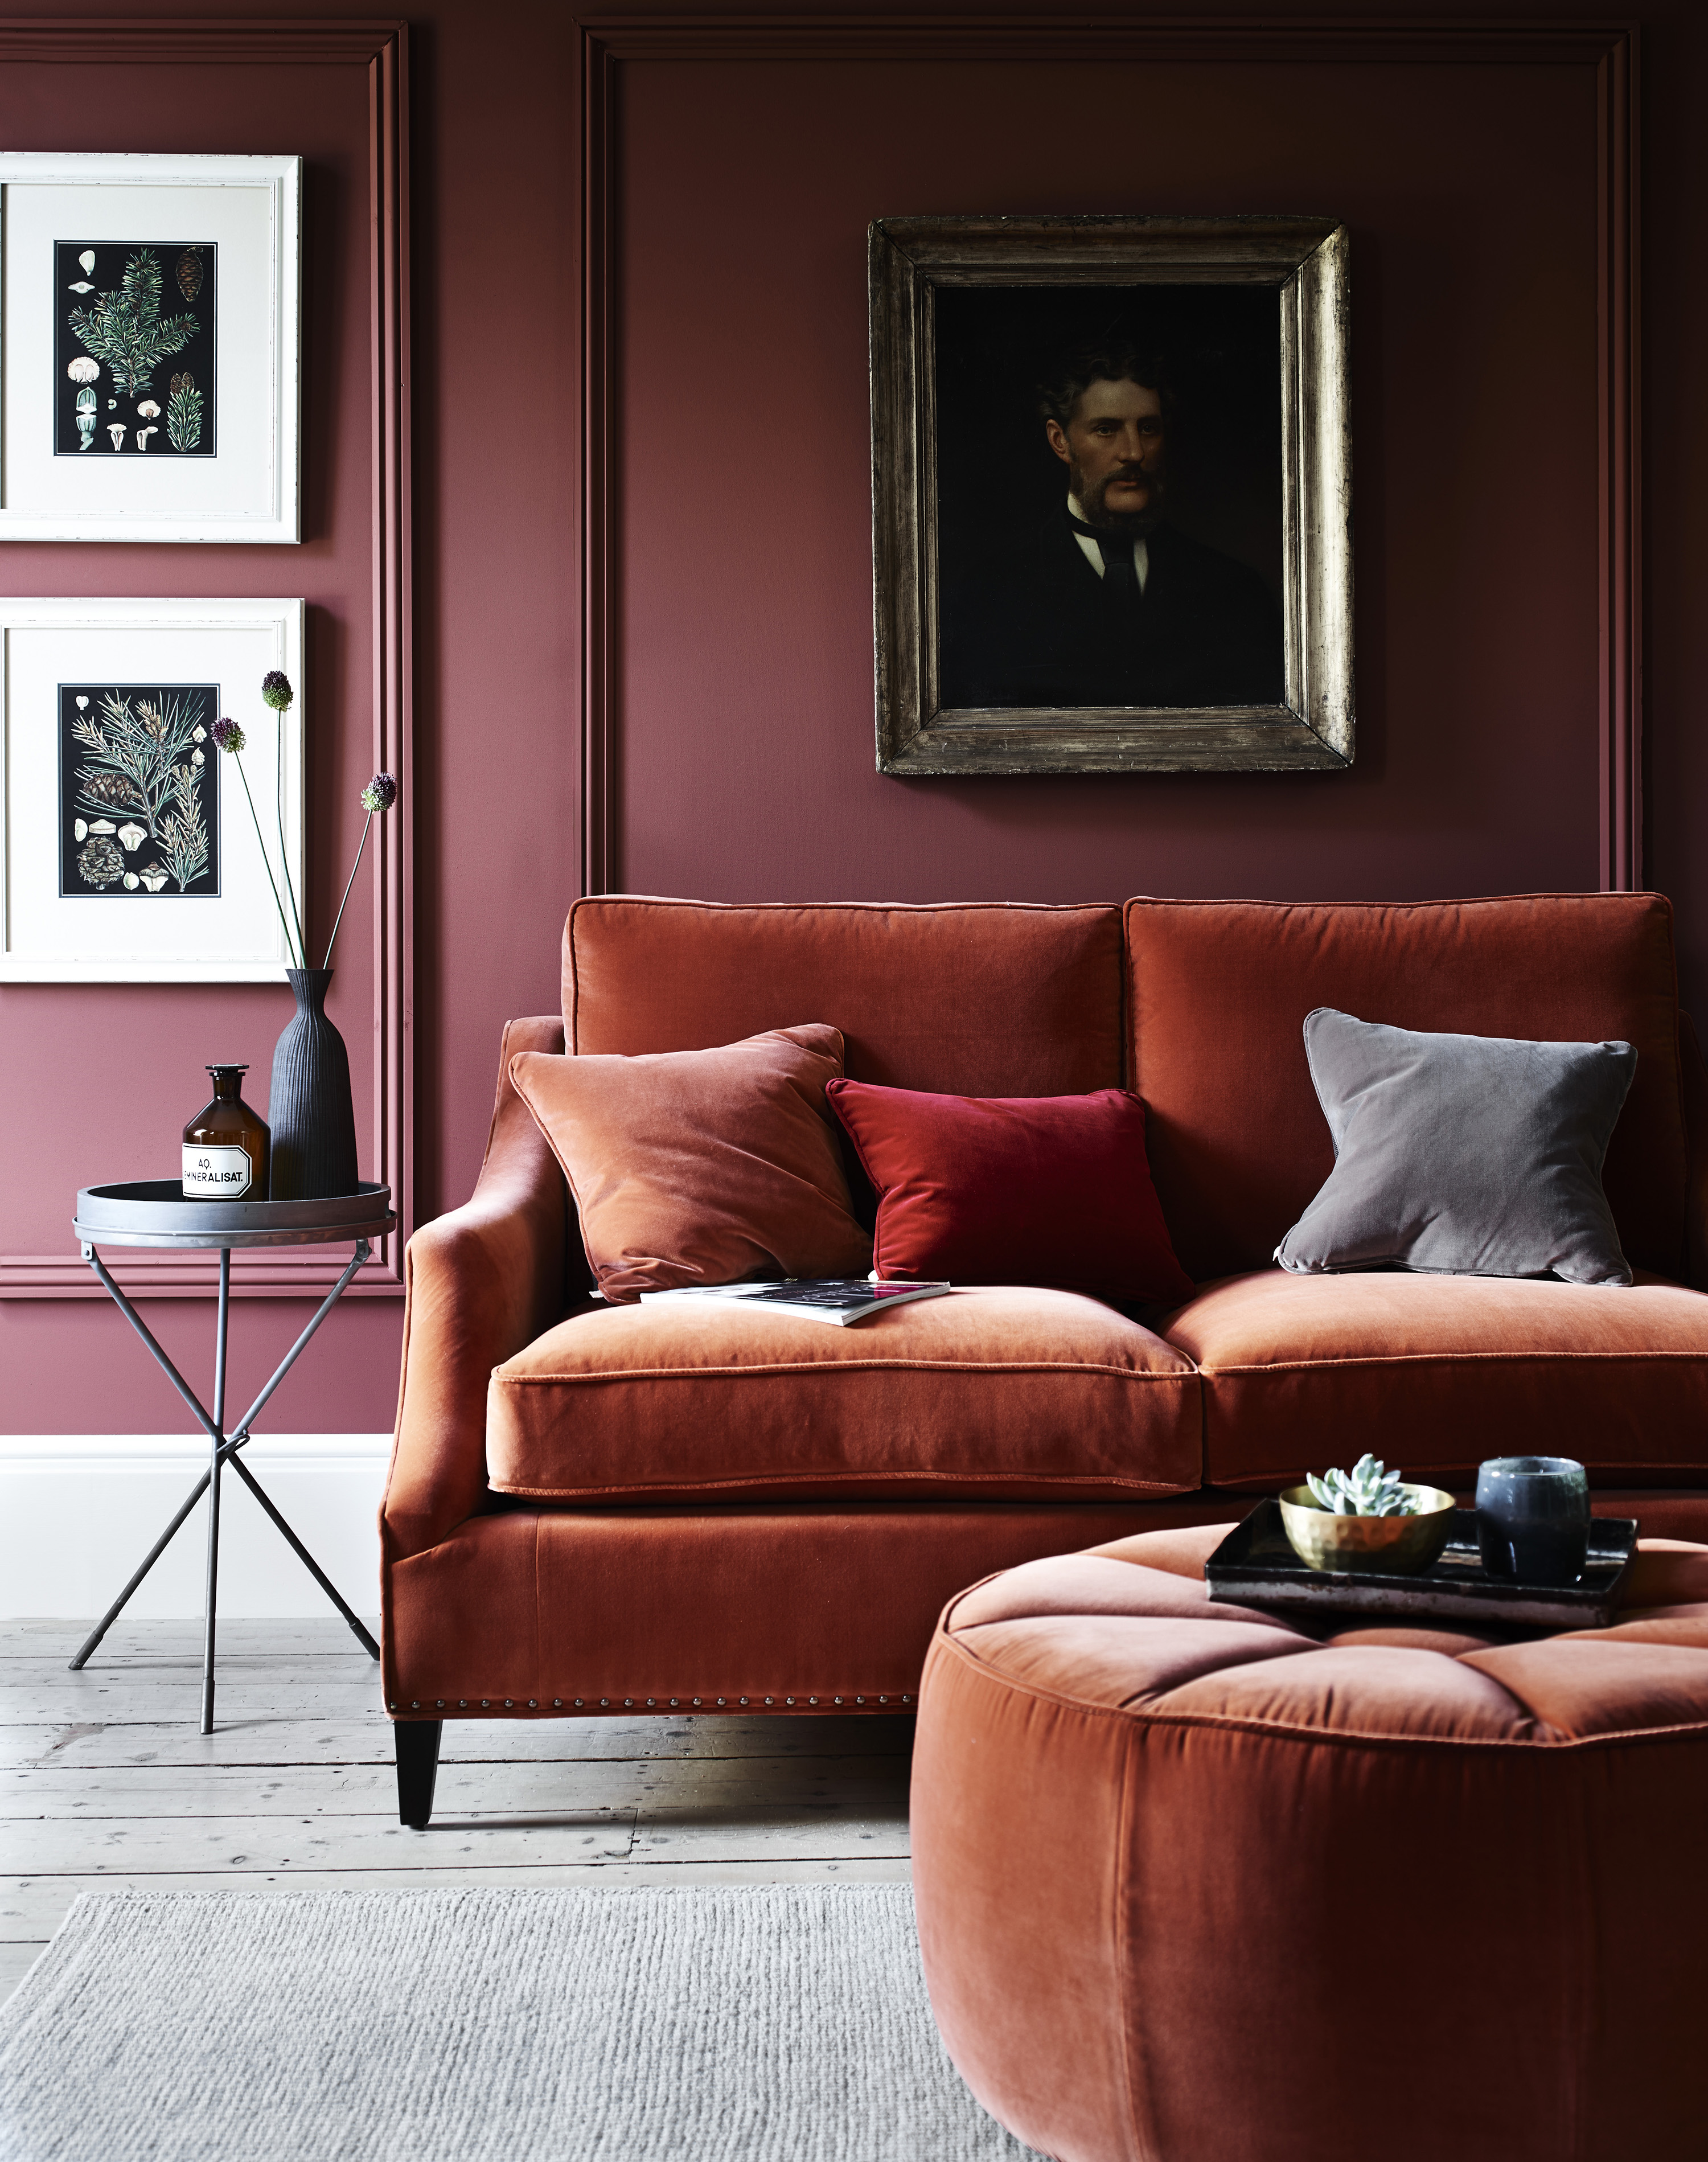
column 745, row 766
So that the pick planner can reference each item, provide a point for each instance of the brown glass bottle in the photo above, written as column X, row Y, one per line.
column 226, row 1145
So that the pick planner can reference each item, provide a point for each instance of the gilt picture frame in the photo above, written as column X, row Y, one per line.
column 150, row 346
column 1111, row 492
column 129, row 848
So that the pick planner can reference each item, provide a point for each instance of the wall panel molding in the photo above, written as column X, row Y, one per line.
column 1607, row 47
column 381, row 47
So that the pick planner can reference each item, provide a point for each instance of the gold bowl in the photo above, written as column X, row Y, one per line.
column 1406, row 1544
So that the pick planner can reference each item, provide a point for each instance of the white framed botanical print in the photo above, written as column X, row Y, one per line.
column 150, row 312
column 130, row 848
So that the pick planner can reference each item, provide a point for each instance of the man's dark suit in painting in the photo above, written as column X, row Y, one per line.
column 1041, row 628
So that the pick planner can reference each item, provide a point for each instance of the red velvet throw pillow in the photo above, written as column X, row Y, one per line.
column 1052, row 1190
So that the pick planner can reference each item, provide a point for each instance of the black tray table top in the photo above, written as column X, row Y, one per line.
column 1256, row 1566
column 153, row 1212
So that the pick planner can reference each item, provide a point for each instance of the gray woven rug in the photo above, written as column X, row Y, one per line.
column 775, row 2023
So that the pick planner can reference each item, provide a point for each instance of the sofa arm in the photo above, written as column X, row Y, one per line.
column 1695, row 1076
column 479, row 1283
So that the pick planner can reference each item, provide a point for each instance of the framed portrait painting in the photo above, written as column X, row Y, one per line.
column 1111, row 487
column 148, row 348
column 130, row 853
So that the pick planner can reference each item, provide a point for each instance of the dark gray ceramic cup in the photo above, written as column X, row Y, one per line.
column 1533, row 1518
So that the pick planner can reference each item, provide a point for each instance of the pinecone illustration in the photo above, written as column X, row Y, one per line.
column 112, row 788
column 99, row 862
column 190, row 272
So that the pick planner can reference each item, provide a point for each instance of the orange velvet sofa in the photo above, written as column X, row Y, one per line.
column 600, row 1510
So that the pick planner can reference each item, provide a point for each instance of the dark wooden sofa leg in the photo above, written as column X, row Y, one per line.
column 417, row 1744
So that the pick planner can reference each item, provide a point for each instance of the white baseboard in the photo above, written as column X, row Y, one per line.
column 79, row 1512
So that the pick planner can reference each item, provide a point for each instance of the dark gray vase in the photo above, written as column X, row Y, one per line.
column 309, row 1107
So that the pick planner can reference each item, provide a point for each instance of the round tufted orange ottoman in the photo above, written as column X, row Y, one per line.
column 1196, row 1885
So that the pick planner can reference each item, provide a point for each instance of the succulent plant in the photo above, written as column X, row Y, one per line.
column 1369, row 1489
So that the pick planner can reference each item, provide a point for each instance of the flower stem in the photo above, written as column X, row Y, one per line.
column 348, row 883
column 284, row 920
column 284, row 856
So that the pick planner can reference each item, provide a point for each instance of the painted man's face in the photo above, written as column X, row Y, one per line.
column 1112, row 448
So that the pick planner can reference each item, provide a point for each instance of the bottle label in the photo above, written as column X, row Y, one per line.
column 216, row 1174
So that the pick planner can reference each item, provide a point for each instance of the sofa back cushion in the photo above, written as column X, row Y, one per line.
column 1218, row 993
column 969, row 1000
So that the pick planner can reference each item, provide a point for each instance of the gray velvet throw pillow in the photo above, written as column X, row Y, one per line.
column 1461, row 1155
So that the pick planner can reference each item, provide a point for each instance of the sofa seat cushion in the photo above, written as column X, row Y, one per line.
column 1434, row 1373
column 989, row 1393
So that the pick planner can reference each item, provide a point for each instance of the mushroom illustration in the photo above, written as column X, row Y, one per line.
column 102, row 826
column 115, row 430
column 87, row 259
column 149, row 409
column 143, row 436
column 153, row 877
column 82, row 369
column 85, row 417
column 130, row 836
column 82, row 704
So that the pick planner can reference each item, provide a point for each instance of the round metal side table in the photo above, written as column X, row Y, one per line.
column 153, row 1212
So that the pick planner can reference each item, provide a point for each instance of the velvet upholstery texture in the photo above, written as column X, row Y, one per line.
column 1030, row 1189
column 1473, row 1155
column 989, row 1000
column 481, row 1282
column 553, row 1613
column 1194, row 1882
column 702, row 1166
column 1436, row 1373
column 1218, row 995
column 989, row 1394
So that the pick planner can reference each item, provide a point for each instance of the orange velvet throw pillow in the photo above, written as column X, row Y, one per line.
column 702, row 1166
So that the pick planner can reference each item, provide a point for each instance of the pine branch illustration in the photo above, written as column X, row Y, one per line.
column 183, row 841
column 123, row 328
column 144, row 759
column 184, row 416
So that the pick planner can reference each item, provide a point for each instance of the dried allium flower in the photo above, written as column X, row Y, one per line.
column 227, row 734
column 380, row 793
column 276, row 690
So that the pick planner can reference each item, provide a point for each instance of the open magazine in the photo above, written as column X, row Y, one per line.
column 838, row 1300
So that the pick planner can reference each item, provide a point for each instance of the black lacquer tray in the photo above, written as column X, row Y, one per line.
column 1256, row 1566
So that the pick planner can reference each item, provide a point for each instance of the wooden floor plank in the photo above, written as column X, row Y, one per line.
column 261, row 1741
column 45, row 1846
column 181, row 1791
column 310, row 1637
column 16, row 1959
column 114, row 1698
